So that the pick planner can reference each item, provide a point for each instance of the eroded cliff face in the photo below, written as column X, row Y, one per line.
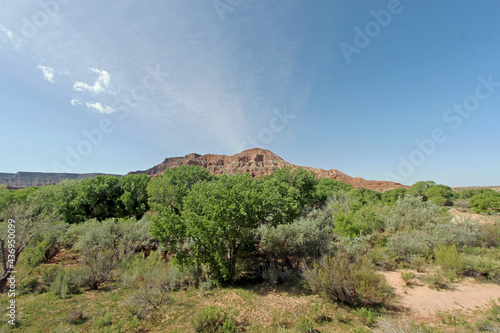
column 259, row 162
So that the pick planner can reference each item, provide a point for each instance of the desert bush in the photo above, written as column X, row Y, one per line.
column 412, row 213
column 382, row 258
column 408, row 278
column 308, row 237
column 68, row 282
column 407, row 244
column 448, row 258
column 435, row 280
column 490, row 234
column 356, row 247
column 274, row 275
column 100, row 262
column 481, row 267
column 463, row 232
column 362, row 221
column 352, row 283
column 213, row 319
column 417, row 263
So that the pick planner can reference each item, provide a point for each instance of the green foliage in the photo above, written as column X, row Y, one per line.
column 412, row 213
column 407, row 244
column 213, row 320
column 482, row 263
column 408, row 277
column 100, row 263
column 134, row 198
column 461, row 232
column 308, row 237
column 487, row 202
column 305, row 325
column 352, row 283
column 170, row 188
column 367, row 316
column 440, row 195
column 392, row 196
column 219, row 218
column 68, row 282
column 382, row 258
column 417, row 263
column 35, row 253
column 363, row 221
column 435, row 280
column 490, row 234
column 105, row 321
column 448, row 258
column 100, row 197
column 325, row 189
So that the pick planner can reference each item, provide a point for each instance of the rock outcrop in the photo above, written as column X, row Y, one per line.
column 259, row 162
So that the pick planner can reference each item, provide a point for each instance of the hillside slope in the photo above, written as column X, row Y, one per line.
column 259, row 162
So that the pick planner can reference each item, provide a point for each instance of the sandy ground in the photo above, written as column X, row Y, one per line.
column 459, row 216
column 423, row 302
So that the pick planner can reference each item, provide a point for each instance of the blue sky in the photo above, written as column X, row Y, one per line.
column 386, row 90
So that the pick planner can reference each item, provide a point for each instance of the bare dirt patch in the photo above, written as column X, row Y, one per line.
column 467, row 295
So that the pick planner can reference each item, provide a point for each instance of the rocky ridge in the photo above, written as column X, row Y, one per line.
column 259, row 162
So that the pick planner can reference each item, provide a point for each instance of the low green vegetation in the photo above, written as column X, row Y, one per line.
column 196, row 252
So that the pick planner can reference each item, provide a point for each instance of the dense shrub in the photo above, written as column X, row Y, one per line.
column 448, row 258
column 352, row 283
column 69, row 282
column 482, row 263
column 487, row 202
column 490, row 234
column 100, row 262
column 462, row 232
column 382, row 258
column 412, row 213
column 363, row 221
column 286, row 245
column 408, row 244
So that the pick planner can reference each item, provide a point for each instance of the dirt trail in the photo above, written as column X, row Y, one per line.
column 423, row 302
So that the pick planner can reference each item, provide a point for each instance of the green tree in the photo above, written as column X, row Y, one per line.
column 170, row 188
column 217, row 223
column 392, row 196
column 419, row 188
column 326, row 187
column 486, row 202
column 134, row 199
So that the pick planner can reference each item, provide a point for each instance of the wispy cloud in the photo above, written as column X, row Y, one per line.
column 48, row 73
column 75, row 102
column 8, row 37
column 101, row 85
column 99, row 107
